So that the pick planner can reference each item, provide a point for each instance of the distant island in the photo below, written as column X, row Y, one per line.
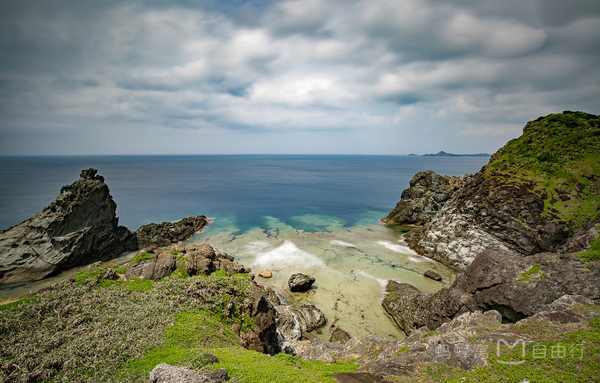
column 442, row 153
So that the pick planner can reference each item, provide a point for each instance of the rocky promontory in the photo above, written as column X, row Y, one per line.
column 79, row 227
column 535, row 193
column 523, row 230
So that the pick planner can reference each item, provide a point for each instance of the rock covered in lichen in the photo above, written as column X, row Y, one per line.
column 166, row 373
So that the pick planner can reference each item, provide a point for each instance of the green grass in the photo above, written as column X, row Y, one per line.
column 194, row 334
column 592, row 253
column 253, row 367
column 141, row 257
column 559, row 154
column 90, row 275
column 17, row 305
column 139, row 285
column 533, row 273
column 94, row 275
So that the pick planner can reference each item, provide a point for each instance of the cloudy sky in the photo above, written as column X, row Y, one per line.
column 258, row 76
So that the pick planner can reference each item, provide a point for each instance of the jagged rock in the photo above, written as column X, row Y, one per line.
column 263, row 336
column 163, row 234
column 339, row 335
column 165, row 373
column 515, row 286
column 432, row 275
column 78, row 228
column 110, row 275
column 294, row 323
column 489, row 214
column 581, row 240
column 411, row 309
column 200, row 259
column 427, row 193
column 161, row 266
column 300, row 282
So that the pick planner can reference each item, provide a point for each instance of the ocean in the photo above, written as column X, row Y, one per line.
column 240, row 190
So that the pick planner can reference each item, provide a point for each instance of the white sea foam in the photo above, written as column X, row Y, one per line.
column 336, row 242
column 403, row 248
column 397, row 247
column 382, row 282
column 287, row 255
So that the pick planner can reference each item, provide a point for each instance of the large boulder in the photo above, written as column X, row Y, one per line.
column 294, row 323
column 162, row 265
column 166, row 373
column 163, row 234
column 427, row 193
column 79, row 227
column 300, row 282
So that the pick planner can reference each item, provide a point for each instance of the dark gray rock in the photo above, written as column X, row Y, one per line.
column 515, row 286
column 432, row 275
column 427, row 193
column 163, row 234
column 166, row 373
column 300, row 282
column 78, row 228
column 339, row 335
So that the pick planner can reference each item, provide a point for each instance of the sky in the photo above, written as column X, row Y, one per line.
column 302, row 77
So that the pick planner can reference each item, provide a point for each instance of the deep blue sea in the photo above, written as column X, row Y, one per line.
column 241, row 190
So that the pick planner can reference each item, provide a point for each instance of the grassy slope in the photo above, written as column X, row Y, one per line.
column 95, row 330
column 560, row 154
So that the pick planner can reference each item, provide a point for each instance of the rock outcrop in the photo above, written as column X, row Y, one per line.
column 515, row 286
column 300, row 282
column 535, row 193
column 427, row 193
column 462, row 343
column 163, row 234
column 79, row 227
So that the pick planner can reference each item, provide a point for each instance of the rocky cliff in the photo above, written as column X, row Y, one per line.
column 427, row 193
column 516, row 229
column 535, row 193
column 80, row 227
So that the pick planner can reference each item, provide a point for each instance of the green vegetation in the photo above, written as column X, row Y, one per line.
column 141, row 257
column 16, row 305
column 89, row 275
column 253, row 367
column 533, row 273
column 193, row 334
column 592, row 253
column 183, row 344
column 558, row 156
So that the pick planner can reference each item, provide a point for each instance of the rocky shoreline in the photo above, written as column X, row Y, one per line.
column 522, row 233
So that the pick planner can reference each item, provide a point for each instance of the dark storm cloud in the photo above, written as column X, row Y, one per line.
column 288, row 76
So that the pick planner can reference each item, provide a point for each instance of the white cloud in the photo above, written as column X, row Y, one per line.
column 394, row 76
